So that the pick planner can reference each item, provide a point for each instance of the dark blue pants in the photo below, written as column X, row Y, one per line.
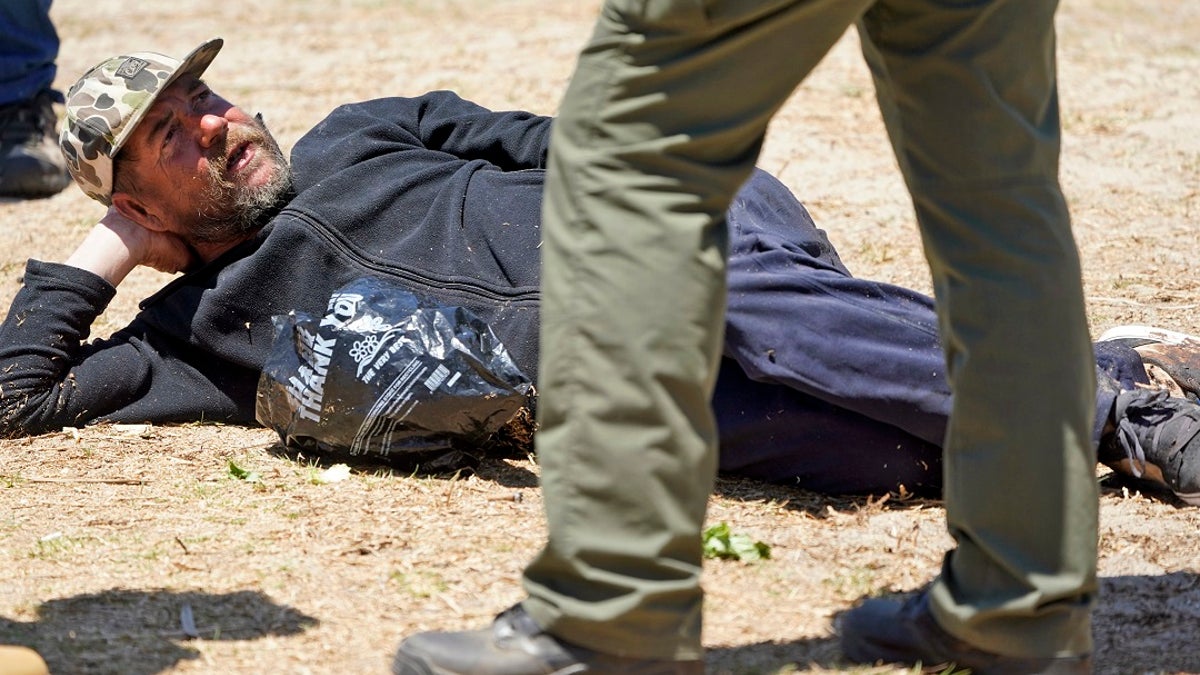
column 28, row 49
column 833, row 383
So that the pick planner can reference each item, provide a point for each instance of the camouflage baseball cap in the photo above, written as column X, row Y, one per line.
column 108, row 102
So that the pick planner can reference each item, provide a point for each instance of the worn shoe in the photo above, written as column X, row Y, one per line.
column 516, row 645
column 1157, row 438
column 31, row 165
column 890, row 631
column 1138, row 336
column 1177, row 354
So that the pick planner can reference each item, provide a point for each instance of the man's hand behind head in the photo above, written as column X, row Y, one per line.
column 116, row 245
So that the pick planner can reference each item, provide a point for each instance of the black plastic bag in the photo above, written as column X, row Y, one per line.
column 387, row 374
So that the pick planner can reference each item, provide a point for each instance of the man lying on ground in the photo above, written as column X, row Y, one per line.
column 829, row 382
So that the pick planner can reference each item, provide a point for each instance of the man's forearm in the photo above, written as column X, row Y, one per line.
column 40, row 342
column 116, row 245
column 104, row 253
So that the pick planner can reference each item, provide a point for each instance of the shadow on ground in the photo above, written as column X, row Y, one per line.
column 815, row 504
column 446, row 464
column 818, row 505
column 142, row 632
column 1132, row 617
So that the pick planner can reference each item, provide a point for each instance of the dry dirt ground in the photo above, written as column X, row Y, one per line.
column 109, row 537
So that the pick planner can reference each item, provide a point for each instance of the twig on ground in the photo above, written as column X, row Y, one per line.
column 107, row 481
column 1134, row 303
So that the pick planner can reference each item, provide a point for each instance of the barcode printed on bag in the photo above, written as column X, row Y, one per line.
column 436, row 378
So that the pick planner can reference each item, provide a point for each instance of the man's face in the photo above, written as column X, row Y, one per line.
column 203, row 167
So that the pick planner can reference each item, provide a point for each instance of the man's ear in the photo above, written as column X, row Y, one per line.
column 132, row 208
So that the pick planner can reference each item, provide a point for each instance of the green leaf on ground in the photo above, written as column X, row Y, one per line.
column 720, row 542
column 242, row 474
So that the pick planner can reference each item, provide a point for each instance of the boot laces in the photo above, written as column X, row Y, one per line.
column 1153, row 411
column 32, row 118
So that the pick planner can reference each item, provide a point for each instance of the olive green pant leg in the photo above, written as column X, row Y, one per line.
column 644, row 159
column 661, row 123
column 968, row 92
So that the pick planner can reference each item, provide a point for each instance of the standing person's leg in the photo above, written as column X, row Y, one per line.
column 969, row 96
column 662, row 123
column 30, row 162
column 28, row 49
column 663, row 120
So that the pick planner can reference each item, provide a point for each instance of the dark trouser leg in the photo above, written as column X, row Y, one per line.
column 774, row 433
column 796, row 317
column 836, row 372
column 27, row 60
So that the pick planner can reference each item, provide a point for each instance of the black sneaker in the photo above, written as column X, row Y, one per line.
column 891, row 631
column 516, row 645
column 1157, row 438
column 31, row 165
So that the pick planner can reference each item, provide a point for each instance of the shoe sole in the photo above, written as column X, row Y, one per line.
column 1138, row 336
column 1151, row 482
column 1192, row 498
column 404, row 664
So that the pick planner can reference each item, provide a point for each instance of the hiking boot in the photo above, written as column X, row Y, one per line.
column 31, row 165
column 516, row 645
column 1177, row 354
column 891, row 631
column 1157, row 438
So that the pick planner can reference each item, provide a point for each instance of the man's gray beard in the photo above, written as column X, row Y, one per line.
column 233, row 212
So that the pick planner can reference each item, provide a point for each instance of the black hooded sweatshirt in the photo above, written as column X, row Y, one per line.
column 435, row 192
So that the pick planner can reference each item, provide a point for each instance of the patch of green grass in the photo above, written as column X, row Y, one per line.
column 853, row 91
column 853, row 583
column 1122, row 282
column 419, row 584
column 205, row 490
column 876, row 252
column 55, row 546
